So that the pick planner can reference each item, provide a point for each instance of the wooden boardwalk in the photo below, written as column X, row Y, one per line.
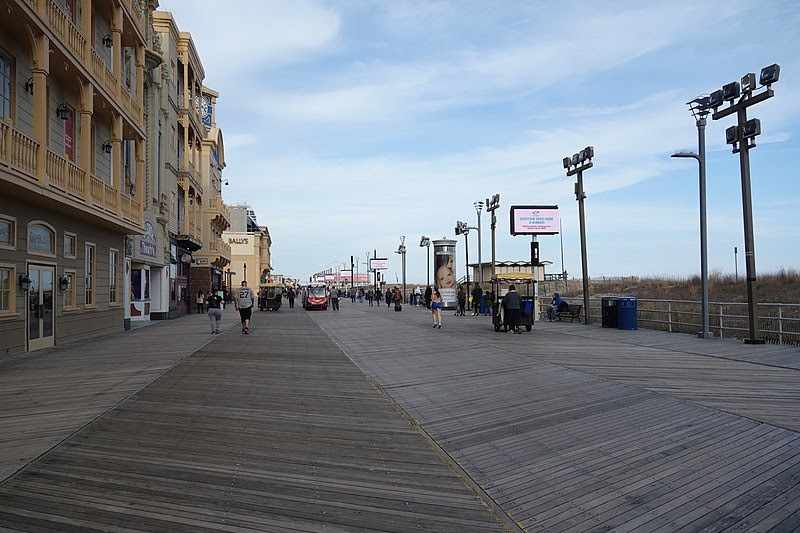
column 366, row 419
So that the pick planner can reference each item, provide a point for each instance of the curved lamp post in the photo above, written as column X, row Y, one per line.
column 700, row 110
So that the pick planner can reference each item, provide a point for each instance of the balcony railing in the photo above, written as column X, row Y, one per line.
column 65, row 175
column 18, row 151
column 66, row 30
column 138, row 15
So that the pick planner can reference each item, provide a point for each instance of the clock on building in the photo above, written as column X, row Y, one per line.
column 205, row 105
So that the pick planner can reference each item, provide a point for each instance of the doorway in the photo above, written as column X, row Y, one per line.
column 39, row 315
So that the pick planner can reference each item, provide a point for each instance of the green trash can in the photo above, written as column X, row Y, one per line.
column 627, row 313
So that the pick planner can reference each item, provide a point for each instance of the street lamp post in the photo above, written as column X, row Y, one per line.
column 742, row 137
column 426, row 242
column 699, row 108
column 491, row 206
column 478, row 206
column 402, row 251
column 463, row 229
column 244, row 269
column 576, row 165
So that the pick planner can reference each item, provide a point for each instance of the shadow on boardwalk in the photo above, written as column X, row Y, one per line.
column 370, row 419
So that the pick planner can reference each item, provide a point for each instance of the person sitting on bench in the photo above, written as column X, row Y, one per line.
column 556, row 305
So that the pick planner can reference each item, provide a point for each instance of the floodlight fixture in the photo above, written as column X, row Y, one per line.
column 731, row 91
column 751, row 128
column 715, row 99
column 769, row 75
column 748, row 83
column 732, row 135
column 576, row 158
column 567, row 162
column 589, row 152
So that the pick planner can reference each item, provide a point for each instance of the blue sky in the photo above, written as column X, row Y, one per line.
column 349, row 123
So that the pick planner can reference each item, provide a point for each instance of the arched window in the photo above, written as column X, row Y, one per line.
column 41, row 238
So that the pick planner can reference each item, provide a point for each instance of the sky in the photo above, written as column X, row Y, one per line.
column 350, row 123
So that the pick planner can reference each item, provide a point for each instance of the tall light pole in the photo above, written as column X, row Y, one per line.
column 491, row 206
column 700, row 110
column 478, row 206
column 743, row 137
column 426, row 242
column 463, row 229
column 402, row 251
column 576, row 165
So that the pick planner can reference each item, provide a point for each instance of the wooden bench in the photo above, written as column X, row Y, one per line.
column 571, row 311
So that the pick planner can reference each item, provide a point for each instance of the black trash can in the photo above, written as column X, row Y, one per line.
column 610, row 312
column 628, row 309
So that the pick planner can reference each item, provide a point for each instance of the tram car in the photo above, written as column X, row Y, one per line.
column 315, row 296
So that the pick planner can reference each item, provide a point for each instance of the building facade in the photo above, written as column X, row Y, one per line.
column 251, row 257
column 111, row 166
column 72, row 160
column 188, row 183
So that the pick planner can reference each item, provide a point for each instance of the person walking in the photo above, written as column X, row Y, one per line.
column 214, row 302
column 477, row 294
column 334, row 298
column 436, row 308
column 428, row 295
column 461, row 296
column 388, row 297
column 200, row 300
column 512, row 303
column 243, row 300
column 397, row 298
column 488, row 300
column 290, row 296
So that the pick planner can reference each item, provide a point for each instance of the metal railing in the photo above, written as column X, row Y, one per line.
column 778, row 323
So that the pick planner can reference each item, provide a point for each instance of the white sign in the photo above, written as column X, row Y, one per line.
column 379, row 264
column 534, row 220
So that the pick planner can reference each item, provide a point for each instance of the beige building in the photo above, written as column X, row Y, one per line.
column 251, row 259
column 111, row 166
column 189, row 182
column 72, row 161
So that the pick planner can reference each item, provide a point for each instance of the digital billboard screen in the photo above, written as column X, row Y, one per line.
column 534, row 220
column 378, row 263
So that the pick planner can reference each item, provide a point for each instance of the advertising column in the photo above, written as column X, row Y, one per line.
column 444, row 271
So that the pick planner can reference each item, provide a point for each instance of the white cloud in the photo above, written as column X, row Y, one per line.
column 400, row 114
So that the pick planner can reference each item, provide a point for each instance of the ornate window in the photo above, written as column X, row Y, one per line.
column 41, row 239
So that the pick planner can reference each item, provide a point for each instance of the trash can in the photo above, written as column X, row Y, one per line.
column 610, row 315
column 627, row 313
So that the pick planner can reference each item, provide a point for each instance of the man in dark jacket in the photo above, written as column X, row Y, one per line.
column 477, row 292
column 512, row 303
